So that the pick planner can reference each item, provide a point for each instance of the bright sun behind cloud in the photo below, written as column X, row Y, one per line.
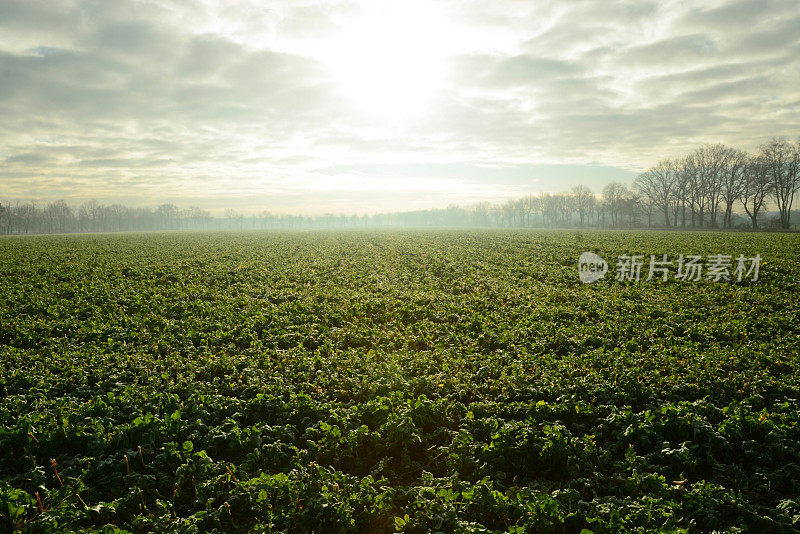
column 389, row 60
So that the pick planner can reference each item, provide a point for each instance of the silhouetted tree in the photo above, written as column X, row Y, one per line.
column 756, row 188
column 782, row 160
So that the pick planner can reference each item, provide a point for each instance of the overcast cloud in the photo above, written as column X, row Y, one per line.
column 235, row 103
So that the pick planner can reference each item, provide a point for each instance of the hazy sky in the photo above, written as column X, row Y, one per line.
column 306, row 106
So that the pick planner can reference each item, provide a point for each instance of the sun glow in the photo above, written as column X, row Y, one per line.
column 390, row 59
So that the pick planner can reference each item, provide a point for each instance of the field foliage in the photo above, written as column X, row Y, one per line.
column 415, row 381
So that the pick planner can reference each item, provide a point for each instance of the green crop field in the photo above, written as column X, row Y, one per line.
column 380, row 381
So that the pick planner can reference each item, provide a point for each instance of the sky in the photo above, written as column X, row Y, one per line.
column 301, row 106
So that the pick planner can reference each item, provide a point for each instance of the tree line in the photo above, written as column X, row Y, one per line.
column 708, row 188
column 706, row 185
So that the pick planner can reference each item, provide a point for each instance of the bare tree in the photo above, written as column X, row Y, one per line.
column 513, row 212
column 481, row 214
column 166, row 215
column 89, row 213
column 58, row 216
column 756, row 187
column 615, row 194
column 657, row 188
column 584, row 201
column 632, row 208
column 782, row 160
column 549, row 209
column 681, row 193
column 732, row 182
column 695, row 189
column 529, row 206
column 566, row 208
column 709, row 162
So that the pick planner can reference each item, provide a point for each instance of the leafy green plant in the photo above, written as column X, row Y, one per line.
column 414, row 381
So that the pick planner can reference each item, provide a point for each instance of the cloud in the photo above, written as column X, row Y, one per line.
column 29, row 158
column 673, row 51
column 741, row 15
column 236, row 100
